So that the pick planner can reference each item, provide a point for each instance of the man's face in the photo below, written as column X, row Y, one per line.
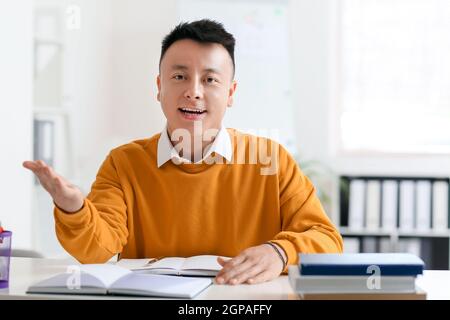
column 195, row 84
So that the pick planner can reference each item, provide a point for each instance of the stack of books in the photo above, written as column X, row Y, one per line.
column 357, row 276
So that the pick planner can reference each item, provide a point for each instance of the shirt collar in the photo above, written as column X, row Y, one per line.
column 221, row 145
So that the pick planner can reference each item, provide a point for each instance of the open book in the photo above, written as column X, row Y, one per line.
column 204, row 265
column 108, row 279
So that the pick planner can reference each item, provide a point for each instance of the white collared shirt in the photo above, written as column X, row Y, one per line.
column 221, row 145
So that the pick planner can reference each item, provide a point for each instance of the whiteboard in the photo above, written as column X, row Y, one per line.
column 263, row 100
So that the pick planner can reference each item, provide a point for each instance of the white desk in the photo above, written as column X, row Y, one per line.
column 26, row 271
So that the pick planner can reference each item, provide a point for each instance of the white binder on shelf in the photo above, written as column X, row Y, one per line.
column 409, row 246
column 373, row 205
column 423, row 205
column 389, row 205
column 407, row 205
column 351, row 245
column 369, row 245
column 385, row 245
column 440, row 206
column 356, row 204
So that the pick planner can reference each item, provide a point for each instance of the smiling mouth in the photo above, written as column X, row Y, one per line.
column 193, row 111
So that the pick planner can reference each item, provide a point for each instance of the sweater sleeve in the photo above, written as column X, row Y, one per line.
column 306, row 227
column 98, row 231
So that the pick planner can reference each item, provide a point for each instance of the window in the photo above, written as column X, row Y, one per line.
column 394, row 76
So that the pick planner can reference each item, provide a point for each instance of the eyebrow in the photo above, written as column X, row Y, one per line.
column 183, row 67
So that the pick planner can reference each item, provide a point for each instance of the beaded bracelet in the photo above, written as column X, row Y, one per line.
column 279, row 253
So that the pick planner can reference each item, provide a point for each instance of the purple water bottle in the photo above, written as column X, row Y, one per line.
column 5, row 257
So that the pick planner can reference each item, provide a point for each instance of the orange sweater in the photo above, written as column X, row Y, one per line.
column 139, row 210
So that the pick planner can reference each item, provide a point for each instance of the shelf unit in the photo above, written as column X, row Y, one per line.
column 434, row 244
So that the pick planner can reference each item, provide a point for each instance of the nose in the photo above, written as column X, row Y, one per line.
column 194, row 90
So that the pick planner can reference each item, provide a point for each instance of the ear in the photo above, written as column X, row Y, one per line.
column 231, row 93
column 158, row 83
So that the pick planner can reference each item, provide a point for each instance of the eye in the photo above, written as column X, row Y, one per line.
column 178, row 77
column 210, row 80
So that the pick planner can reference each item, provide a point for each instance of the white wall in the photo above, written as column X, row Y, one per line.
column 88, row 86
column 139, row 27
column 16, row 119
column 310, row 37
column 312, row 24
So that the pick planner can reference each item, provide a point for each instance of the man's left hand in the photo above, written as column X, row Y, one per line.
column 253, row 265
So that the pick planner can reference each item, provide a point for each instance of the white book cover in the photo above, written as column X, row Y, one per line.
column 356, row 204
column 389, row 205
column 373, row 204
column 423, row 205
column 440, row 206
column 407, row 205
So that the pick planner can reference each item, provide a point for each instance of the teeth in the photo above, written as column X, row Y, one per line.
column 192, row 110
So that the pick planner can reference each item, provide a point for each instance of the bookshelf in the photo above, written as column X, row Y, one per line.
column 397, row 214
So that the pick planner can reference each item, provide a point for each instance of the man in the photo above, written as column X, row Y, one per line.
column 205, row 194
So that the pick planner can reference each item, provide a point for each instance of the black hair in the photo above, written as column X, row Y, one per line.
column 202, row 31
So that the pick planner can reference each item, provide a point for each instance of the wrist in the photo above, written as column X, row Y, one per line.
column 280, row 252
column 70, row 209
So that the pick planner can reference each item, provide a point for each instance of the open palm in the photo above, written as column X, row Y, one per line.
column 65, row 195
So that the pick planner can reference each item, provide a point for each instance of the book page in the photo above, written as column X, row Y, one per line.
column 167, row 263
column 203, row 262
column 160, row 285
column 134, row 264
column 172, row 263
column 106, row 273
column 63, row 282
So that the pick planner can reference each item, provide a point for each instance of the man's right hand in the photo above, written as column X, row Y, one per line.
column 65, row 195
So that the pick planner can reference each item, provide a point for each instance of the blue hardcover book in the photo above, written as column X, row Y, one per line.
column 359, row 264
